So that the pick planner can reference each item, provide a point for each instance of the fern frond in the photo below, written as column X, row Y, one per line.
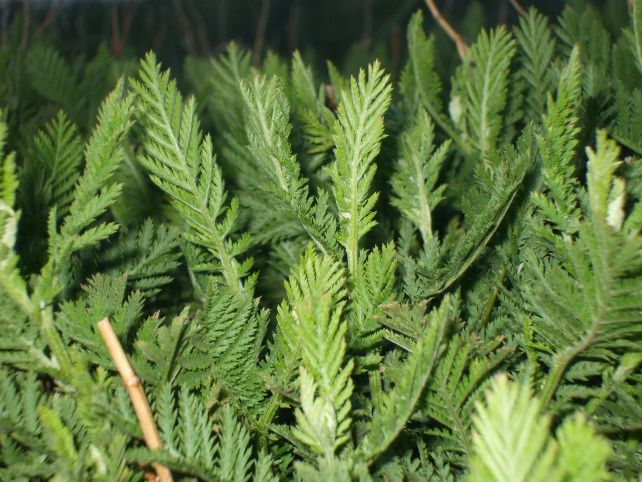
column 49, row 174
column 309, row 108
column 160, row 350
column 588, row 309
column 416, row 175
column 358, row 138
column 485, row 207
column 315, row 291
column 56, row 156
column 456, row 385
column 401, row 402
column 10, row 278
column 486, row 96
column 512, row 441
column 226, row 344
column 557, row 143
column 635, row 36
column 537, row 46
column 420, row 84
column 105, row 297
column 52, row 78
column 628, row 118
column 183, row 165
column 373, row 287
column 193, row 444
column 268, row 131
column 227, row 99
column 148, row 257
column 606, row 192
column 103, row 155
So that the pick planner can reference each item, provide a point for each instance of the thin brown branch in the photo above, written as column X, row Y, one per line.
column 260, row 31
column 462, row 47
column 26, row 16
column 294, row 26
column 366, row 38
column 201, row 28
column 518, row 7
column 115, row 32
column 129, row 15
column 53, row 11
column 630, row 3
column 186, row 27
column 136, row 394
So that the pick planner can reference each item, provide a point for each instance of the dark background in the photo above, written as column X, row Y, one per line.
column 345, row 31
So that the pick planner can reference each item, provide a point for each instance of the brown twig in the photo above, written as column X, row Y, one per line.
column 260, row 31
column 366, row 38
column 53, row 11
column 201, row 28
column 5, row 23
column 115, row 32
column 119, row 37
column 25, row 26
column 630, row 3
column 187, row 28
column 462, row 47
column 518, row 7
column 136, row 394
column 293, row 26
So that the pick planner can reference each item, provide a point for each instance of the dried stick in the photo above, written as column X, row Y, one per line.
column 366, row 38
column 260, row 32
column 462, row 47
column 186, row 27
column 201, row 28
column 26, row 16
column 53, row 11
column 518, row 7
column 136, row 394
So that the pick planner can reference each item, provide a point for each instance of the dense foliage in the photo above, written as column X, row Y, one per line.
column 433, row 280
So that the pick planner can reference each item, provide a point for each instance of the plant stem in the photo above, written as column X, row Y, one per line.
column 462, row 47
column 136, row 394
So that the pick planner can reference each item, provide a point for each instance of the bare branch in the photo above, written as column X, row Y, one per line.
column 462, row 47
column 136, row 394
column 260, row 32
column 518, row 7
column 53, row 11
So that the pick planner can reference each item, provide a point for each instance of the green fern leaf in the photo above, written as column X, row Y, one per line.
column 486, row 93
column 456, row 385
column 401, row 402
column 513, row 442
column 358, row 138
column 268, row 131
column 537, row 47
column 183, row 165
column 315, row 290
column 557, row 143
column 416, row 174
column 635, row 36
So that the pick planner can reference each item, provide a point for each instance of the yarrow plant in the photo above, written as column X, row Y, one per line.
column 431, row 279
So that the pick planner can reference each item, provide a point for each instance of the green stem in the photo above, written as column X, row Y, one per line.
column 374, row 376
column 560, row 366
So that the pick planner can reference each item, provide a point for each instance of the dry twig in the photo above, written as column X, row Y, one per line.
column 136, row 394
column 462, row 47
column 183, row 21
column 53, row 11
column 260, row 32
column 518, row 7
column 26, row 16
